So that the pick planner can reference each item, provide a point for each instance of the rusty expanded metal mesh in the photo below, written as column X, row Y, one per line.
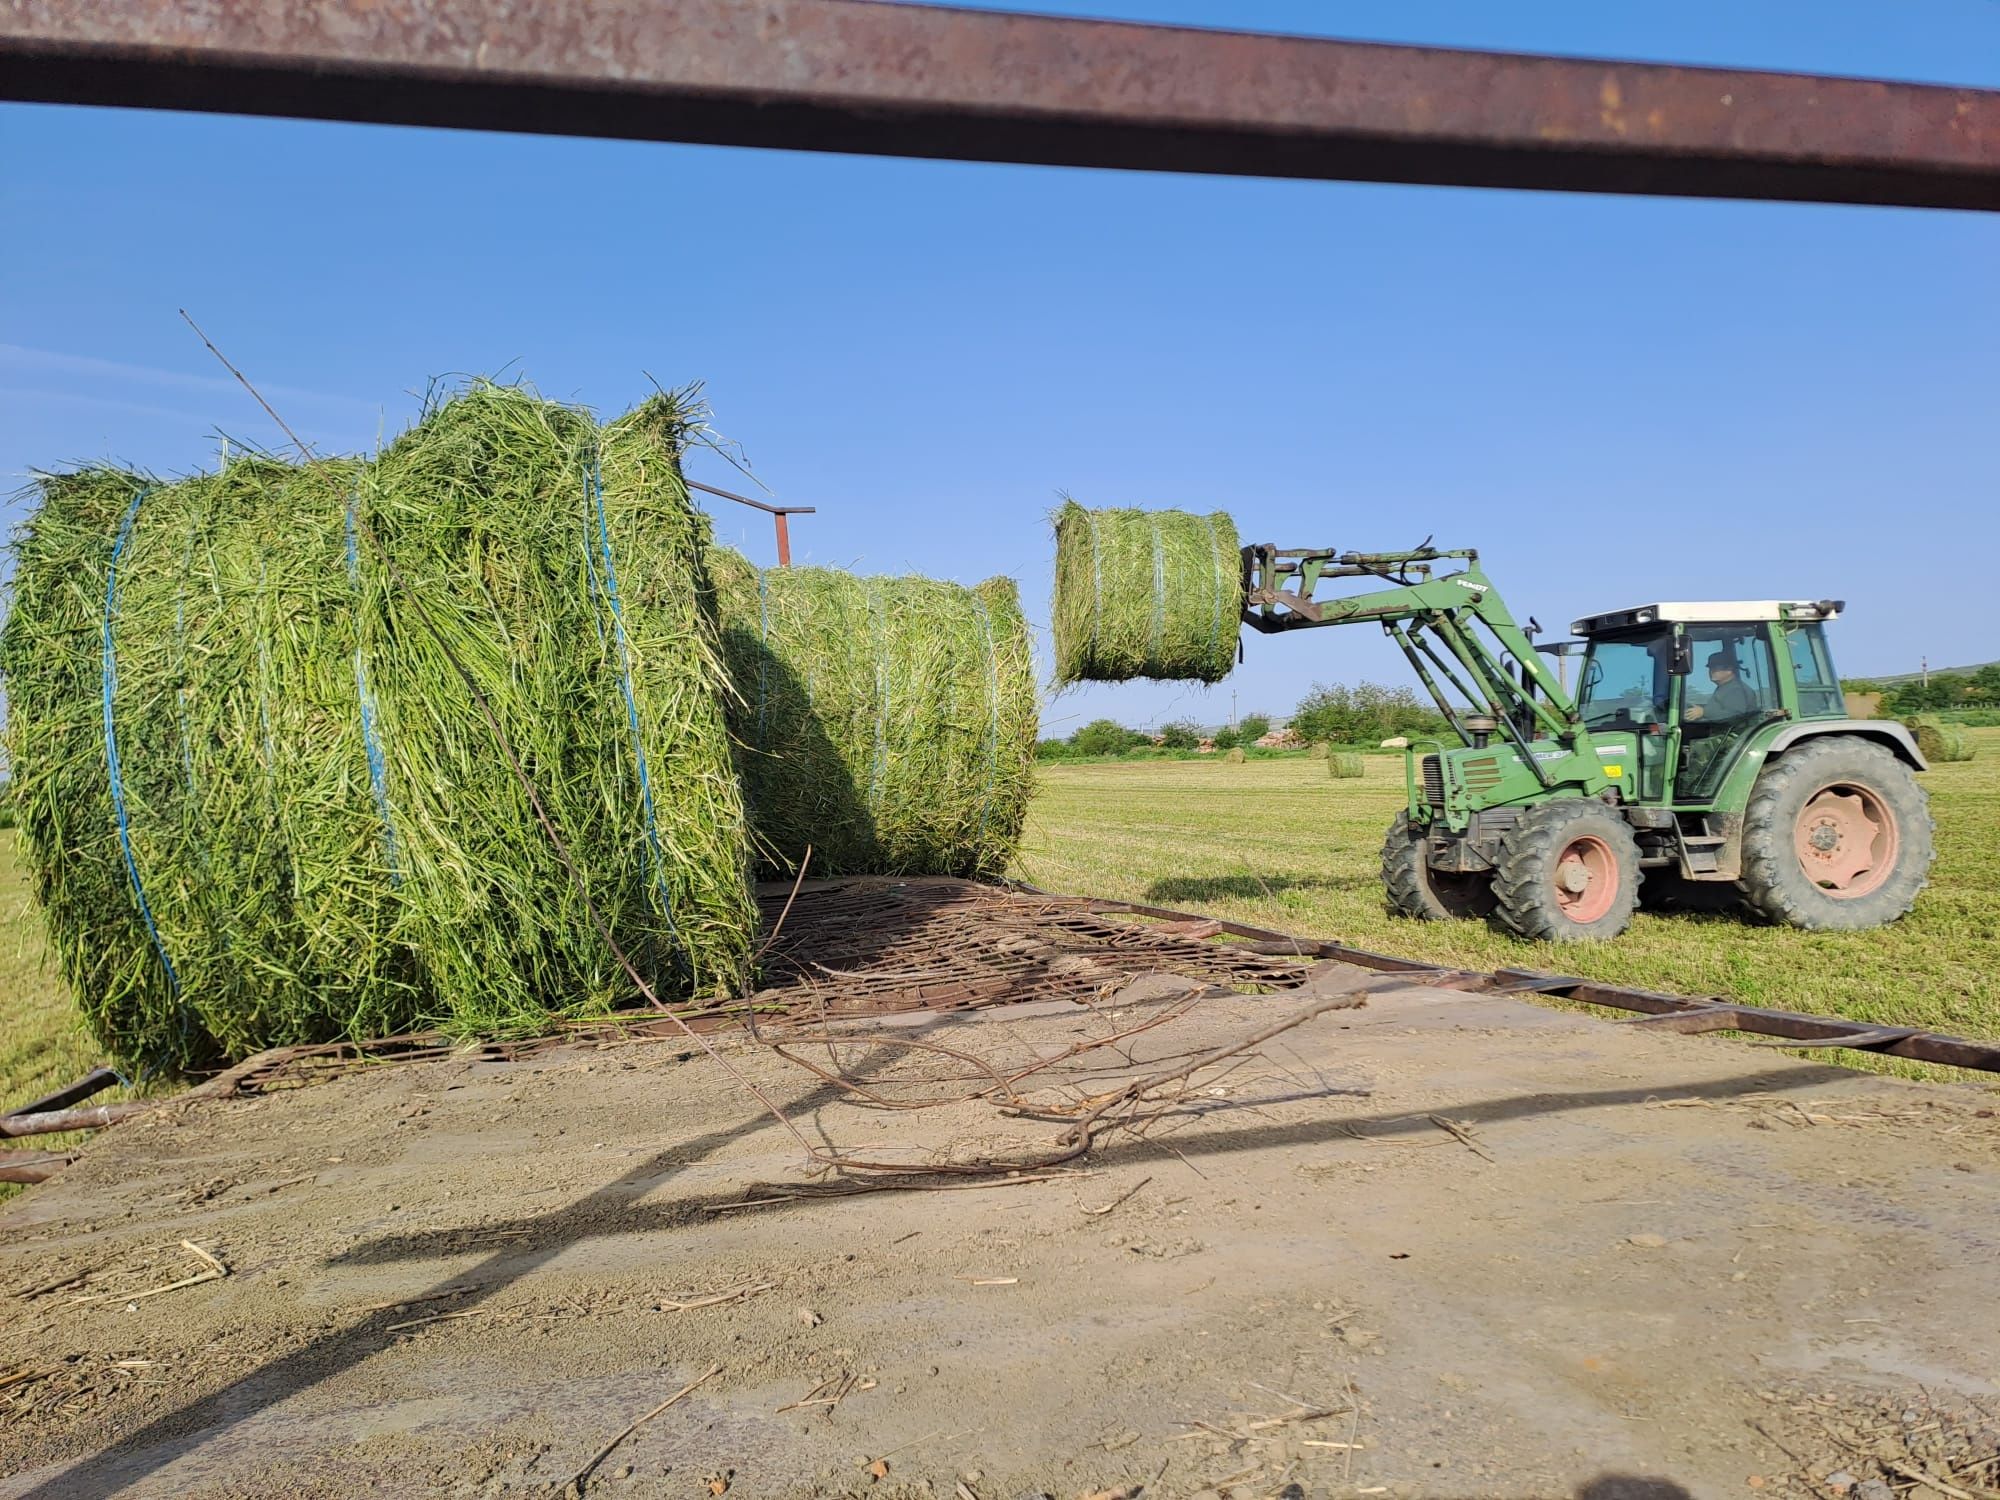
column 877, row 946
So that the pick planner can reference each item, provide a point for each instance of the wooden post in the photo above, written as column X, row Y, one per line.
column 784, row 539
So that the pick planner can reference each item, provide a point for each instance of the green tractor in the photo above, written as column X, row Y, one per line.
column 1706, row 757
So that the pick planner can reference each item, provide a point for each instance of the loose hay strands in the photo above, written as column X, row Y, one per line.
column 1145, row 594
column 1940, row 740
column 887, row 724
column 322, row 843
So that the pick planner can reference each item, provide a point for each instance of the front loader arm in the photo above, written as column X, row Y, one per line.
column 1456, row 627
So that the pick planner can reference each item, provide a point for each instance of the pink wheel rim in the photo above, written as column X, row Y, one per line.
column 1586, row 879
column 1846, row 841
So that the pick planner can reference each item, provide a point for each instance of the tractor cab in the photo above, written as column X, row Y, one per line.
column 1683, row 689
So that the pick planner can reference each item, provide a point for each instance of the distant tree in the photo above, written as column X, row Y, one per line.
column 1944, row 690
column 1104, row 737
column 1180, row 735
column 1253, row 728
column 1363, row 714
column 1054, row 750
column 1986, row 683
column 1860, row 685
column 1226, row 738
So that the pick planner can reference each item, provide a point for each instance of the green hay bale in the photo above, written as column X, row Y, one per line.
column 887, row 723
column 1345, row 765
column 1141, row 593
column 1235, row 757
column 585, row 632
column 293, row 894
column 1319, row 750
column 1940, row 740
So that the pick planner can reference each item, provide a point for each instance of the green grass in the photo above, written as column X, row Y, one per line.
column 43, row 1043
column 1278, row 843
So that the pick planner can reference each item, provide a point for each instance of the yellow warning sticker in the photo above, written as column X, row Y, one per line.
column 1614, row 770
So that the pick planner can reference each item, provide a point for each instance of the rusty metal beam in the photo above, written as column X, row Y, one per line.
column 910, row 80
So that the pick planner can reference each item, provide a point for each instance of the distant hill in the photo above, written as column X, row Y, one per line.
column 1935, row 671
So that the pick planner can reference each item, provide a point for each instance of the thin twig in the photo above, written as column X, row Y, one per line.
column 1452, row 1127
column 470, row 1312
column 736, row 1294
column 576, row 1482
column 1099, row 1212
column 214, row 1270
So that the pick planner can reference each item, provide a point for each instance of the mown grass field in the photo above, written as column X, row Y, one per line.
column 1280, row 844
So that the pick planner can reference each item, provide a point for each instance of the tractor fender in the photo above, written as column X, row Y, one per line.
column 1887, row 733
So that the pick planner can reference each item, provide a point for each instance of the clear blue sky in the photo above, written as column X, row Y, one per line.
column 1615, row 399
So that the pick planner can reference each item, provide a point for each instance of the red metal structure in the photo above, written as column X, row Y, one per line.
column 915, row 80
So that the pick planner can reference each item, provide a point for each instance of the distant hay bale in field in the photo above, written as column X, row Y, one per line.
column 259, row 806
column 887, row 723
column 1345, row 765
column 1142, row 593
column 1940, row 740
column 1320, row 750
column 1235, row 756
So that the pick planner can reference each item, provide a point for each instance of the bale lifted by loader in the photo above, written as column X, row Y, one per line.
column 1757, row 789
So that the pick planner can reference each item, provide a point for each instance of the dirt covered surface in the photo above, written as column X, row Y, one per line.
column 1442, row 1245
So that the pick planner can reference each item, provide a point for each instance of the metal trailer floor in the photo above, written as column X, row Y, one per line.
column 1447, row 1243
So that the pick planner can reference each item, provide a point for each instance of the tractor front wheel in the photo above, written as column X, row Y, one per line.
column 1837, row 837
column 1416, row 890
column 1569, row 872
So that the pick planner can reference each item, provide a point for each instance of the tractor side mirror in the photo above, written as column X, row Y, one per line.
column 1683, row 659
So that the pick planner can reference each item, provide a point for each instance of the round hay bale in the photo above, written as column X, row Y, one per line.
column 259, row 805
column 888, row 724
column 1941, row 740
column 1235, row 756
column 1345, row 765
column 1143, row 593
column 1320, row 750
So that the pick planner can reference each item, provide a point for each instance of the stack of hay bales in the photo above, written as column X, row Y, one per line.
column 1139, row 593
column 260, row 804
column 257, row 722
column 885, row 724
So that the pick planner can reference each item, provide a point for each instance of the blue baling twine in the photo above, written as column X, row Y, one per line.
column 113, row 767
column 880, row 767
column 180, row 663
column 764, row 656
column 992, row 714
column 595, row 492
column 378, row 768
column 1096, row 577
column 1159, row 587
column 1215, row 546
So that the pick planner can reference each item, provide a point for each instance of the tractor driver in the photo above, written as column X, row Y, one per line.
column 1732, row 698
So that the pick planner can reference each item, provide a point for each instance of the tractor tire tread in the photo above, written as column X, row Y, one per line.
column 1776, row 889
column 1407, row 881
column 1523, row 880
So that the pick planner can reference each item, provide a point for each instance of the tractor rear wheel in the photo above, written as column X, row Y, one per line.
column 1416, row 890
column 1837, row 837
column 1569, row 872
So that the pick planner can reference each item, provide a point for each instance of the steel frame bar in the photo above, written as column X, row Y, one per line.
column 1678, row 1013
column 923, row 81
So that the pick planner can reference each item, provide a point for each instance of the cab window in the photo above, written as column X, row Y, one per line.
column 1625, row 682
column 1731, row 676
column 1812, row 667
